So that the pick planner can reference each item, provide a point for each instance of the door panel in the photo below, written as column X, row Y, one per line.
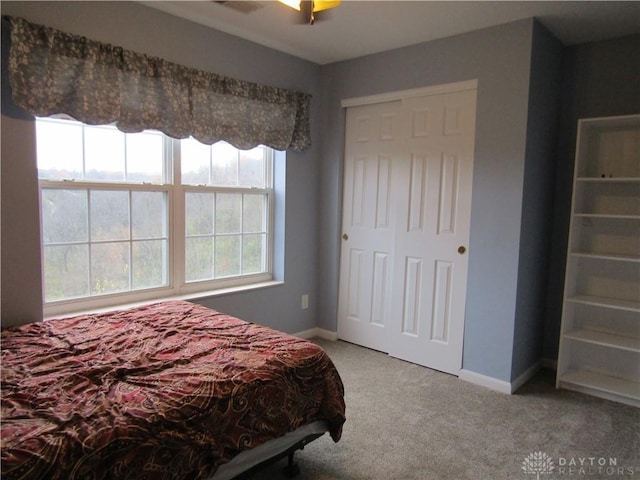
column 441, row 319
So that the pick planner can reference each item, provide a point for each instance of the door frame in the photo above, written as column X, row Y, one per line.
column 415, row 92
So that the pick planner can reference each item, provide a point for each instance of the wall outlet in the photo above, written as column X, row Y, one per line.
column 304, row 302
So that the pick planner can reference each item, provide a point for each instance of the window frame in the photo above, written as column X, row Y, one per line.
column 179, row 205
column 177, row 286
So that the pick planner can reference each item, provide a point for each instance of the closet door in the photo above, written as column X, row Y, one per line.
column 373, row 153
column 406, row 216
column 431, row 244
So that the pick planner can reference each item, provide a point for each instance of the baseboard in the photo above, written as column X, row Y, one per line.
column 500, row 385
column 306, row 334
column 525, row 376
column 318, row 332
column 485, row 381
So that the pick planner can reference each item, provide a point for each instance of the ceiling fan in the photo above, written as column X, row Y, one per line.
column 309, row 8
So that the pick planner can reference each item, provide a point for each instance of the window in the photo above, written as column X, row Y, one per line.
column 127, row 217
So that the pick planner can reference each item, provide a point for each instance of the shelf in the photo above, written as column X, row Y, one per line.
column 605, row 339
column 604, row 215
column 606, row 256
column 633, row 306
column 603, row 383
column 609, row 179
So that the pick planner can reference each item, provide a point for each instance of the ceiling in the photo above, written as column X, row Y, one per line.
column 358, row 28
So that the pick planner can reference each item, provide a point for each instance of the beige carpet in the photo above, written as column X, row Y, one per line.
column 408, row 422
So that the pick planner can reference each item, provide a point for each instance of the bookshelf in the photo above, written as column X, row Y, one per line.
column 600, row 332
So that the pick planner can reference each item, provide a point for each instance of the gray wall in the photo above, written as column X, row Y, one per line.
column 599, row 79
column 21, row 279
column 500, row 59
column 146, row 30
column 537, row 208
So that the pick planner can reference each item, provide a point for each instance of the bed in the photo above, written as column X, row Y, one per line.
column 171, row 390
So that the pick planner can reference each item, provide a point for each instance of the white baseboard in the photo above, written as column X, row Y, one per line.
column 485, row 381
column 306, row 334
column 525, row 376
column 318, row 332
column 499, row 385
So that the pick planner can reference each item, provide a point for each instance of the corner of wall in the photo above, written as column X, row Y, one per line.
column 21, row 300
column 21, row 264
column 537, row 201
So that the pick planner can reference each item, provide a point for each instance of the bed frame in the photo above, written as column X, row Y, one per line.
column 291, row 470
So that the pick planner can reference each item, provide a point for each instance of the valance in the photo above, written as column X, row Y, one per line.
column 53, row 72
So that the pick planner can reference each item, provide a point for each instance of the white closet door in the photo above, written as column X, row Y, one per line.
column 372, row 153
column 406, row 217
column 432, row 235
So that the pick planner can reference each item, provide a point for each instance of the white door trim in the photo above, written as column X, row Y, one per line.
column 416, row 92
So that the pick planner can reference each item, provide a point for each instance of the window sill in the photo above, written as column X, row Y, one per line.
column 188, row 297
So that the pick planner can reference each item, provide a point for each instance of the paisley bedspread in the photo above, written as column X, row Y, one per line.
column 165, row 391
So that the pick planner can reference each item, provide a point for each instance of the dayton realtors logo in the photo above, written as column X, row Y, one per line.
column 537, row 463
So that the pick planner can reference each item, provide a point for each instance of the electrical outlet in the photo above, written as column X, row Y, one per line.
column 304, row 303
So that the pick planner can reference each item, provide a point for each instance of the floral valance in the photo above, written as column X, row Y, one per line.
column 53, row 72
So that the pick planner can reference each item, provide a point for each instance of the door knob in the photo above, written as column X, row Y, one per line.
column 345, row 236
column 461, row 249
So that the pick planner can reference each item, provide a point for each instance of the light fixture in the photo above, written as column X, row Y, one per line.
column 318, row 5
column 311, row 7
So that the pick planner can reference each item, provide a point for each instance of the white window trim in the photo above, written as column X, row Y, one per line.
column 53, row 312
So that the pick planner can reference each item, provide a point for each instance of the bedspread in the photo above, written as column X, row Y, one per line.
column 169, row 390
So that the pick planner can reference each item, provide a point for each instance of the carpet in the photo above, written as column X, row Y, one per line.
column 408, row 422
